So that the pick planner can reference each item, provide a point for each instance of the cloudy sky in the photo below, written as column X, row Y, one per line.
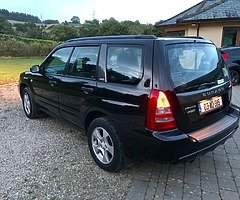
column 148, row 11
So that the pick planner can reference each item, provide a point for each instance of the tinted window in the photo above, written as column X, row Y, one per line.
column 56, row 63
column 83, row 62
column 195, row 65
column 124, row 64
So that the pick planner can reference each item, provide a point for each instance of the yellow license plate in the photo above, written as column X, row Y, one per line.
column 209, row 105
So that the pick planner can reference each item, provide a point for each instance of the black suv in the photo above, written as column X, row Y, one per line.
column 170, row 97
column 231, row 55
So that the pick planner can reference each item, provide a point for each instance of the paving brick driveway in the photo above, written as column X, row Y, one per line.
column 213, row 176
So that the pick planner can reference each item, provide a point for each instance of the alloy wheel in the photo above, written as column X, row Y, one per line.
column 27, row 103
column 102, row 145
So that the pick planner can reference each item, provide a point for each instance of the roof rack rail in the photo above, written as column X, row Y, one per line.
column 113, row 37
column 190, row 37
column 194, row 37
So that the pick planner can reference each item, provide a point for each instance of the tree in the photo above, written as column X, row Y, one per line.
column 19, row 16
column 75, row 20
column 5, row 26
column 113, row 27
column 134, row 28
column 90, row 28
column 51, row 21
column 30, row 30
column 152, row 30
column 63, row 32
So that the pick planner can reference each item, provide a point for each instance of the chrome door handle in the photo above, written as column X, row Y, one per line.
column 53, row 83
column 87, row 89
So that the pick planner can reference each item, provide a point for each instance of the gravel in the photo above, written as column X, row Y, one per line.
column 48, row 159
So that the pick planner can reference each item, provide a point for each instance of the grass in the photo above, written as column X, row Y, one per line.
column 10, row 68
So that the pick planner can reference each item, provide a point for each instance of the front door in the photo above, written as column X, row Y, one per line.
column 46, row 83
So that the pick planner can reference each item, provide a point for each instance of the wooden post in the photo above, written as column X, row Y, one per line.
column 238, row 37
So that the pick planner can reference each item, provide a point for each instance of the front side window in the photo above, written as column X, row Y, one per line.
column 83, row 62
column 124, row 64
column 56, row 63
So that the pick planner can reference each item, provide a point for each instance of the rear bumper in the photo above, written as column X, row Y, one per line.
column 176, row 146
column 216, row 133
column 206, row 149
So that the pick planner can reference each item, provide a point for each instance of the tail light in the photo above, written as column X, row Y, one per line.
column 225, row 56
column 159, row 116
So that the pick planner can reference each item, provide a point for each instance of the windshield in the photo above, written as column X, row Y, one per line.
column 195, row 66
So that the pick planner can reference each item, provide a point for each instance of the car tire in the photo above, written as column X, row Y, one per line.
column 105, row 145
column 235, row 76
column 29, row 105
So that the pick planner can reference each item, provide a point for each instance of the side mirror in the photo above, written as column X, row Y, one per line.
column 35, row 69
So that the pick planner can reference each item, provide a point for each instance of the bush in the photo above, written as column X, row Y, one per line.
column 15, row 46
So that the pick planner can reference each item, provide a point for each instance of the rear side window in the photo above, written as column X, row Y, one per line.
column 195, row 64
column 83, row 62
column 124, row 64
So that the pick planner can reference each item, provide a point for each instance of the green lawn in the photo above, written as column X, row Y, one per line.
column 10, row 68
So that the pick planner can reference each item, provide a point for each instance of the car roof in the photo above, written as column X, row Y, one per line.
column 132, row 37
column 135, row 39
column 114, row 37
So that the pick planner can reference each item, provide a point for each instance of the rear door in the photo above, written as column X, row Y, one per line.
column 78, row 85
column 124, row 90
column 201, row 84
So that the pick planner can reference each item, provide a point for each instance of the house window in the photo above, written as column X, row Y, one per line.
column 231, row 36
column 175, row 33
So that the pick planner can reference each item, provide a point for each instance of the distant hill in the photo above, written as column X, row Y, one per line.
column 22, row 17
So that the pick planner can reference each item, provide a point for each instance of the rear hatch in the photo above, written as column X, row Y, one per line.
column 200, row 81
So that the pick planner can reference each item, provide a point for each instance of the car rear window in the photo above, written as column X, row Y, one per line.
column 195, row 66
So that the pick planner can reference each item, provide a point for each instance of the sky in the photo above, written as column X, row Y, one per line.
column 146, row 11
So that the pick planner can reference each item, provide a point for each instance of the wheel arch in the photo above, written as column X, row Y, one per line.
column 93, row 114
column 21, row 87
column 25, row 85
column 235, row 67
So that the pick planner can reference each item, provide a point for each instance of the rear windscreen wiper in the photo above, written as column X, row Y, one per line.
column 201, row 86
column 207, row 85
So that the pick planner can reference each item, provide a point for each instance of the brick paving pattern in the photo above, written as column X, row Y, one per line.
column 215, row 175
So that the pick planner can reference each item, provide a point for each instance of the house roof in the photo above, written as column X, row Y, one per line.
column 205, row 11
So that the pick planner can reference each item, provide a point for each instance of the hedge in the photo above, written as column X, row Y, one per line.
column 15, row 46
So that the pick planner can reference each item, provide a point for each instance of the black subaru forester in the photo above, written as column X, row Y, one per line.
column 167, row 96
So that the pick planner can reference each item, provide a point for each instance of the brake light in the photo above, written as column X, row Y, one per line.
column 225, row 56
column 159, row 116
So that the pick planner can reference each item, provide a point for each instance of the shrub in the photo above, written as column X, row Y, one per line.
column 15, row 46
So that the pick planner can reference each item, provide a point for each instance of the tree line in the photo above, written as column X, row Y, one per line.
column 68, row 30
column 19, row 16
column 32, row 37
